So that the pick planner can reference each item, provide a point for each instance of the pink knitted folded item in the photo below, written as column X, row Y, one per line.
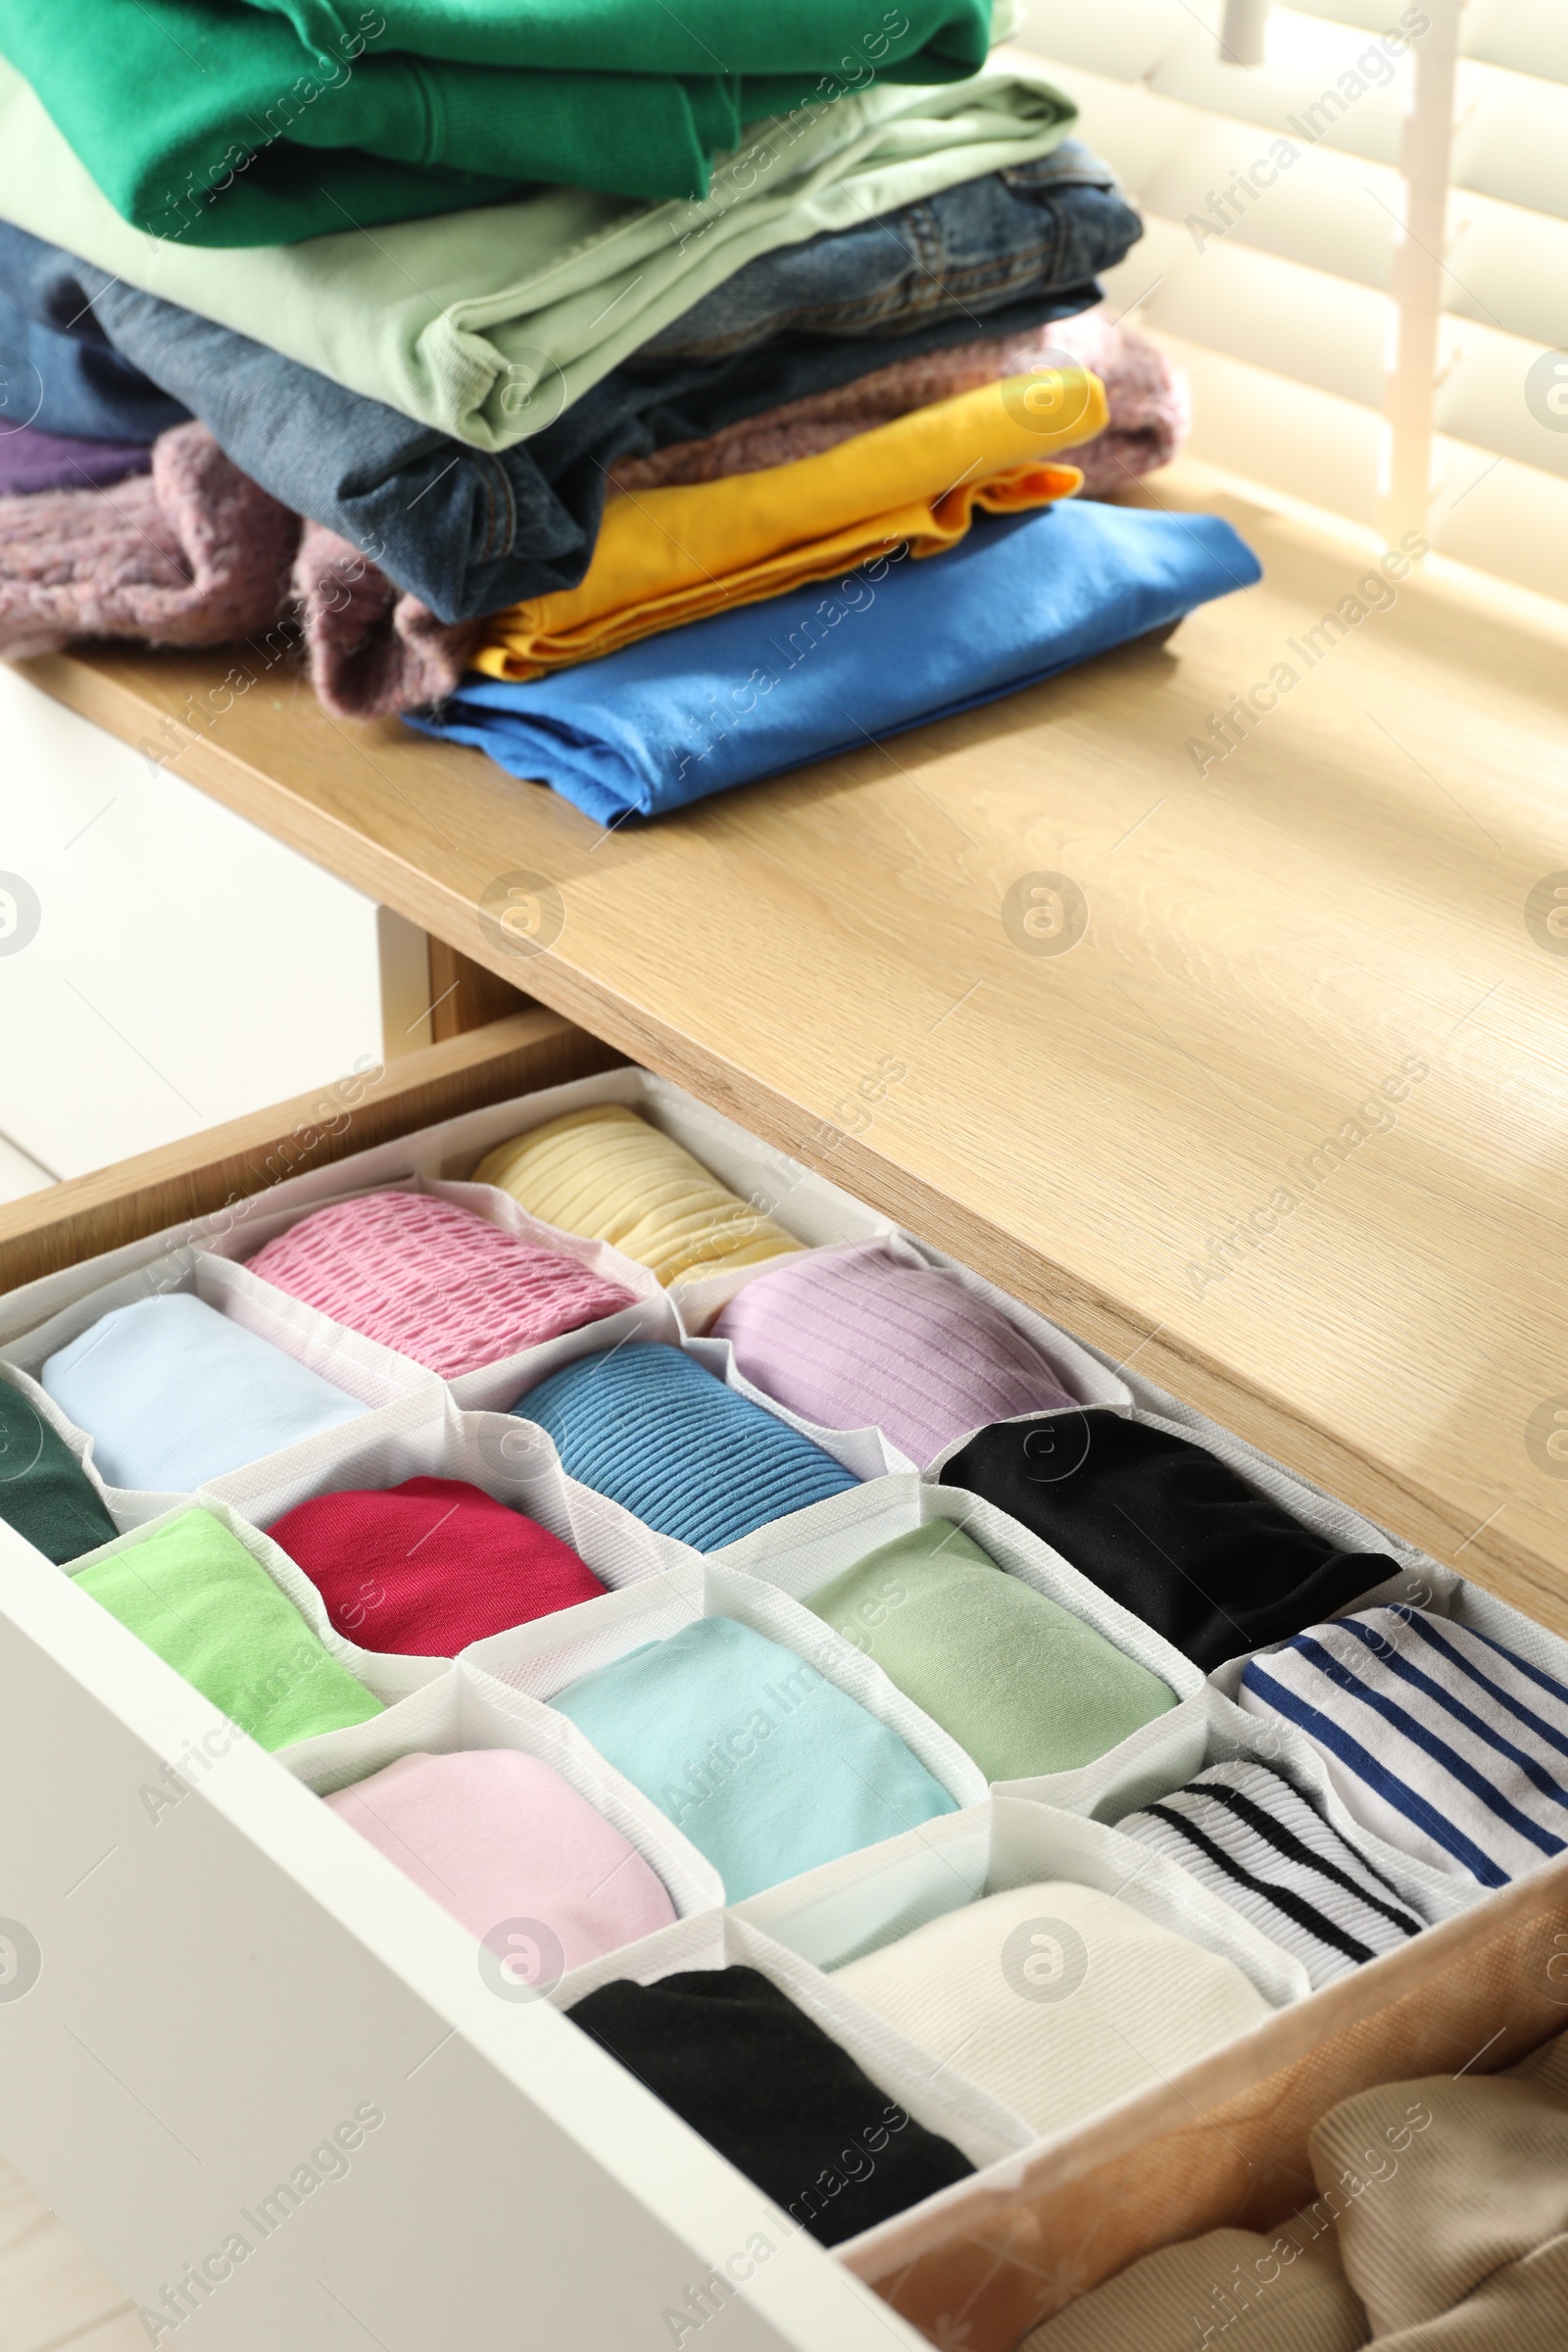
column 445, row 1288
column 1146, row 396
column 372, row 651
column 191, row 553
column 857, row 1338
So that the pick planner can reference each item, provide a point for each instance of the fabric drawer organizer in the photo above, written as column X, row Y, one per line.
column 1202, row 1956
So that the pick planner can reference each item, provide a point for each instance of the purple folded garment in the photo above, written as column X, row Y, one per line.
column 857, row 1336
column 33, row 461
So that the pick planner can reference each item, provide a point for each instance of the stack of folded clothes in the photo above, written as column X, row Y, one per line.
column 576, row 407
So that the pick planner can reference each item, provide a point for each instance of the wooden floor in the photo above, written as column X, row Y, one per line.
column 53, row 2295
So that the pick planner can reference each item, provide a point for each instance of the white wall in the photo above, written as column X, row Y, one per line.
column 185, row 968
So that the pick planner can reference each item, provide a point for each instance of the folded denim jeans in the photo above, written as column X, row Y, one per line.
column 74, row 383
column 469, row 531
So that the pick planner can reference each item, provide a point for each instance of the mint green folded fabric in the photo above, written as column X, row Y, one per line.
column 192, row 1593
column 1018, row 1680
column 768, row 1767
column 488, row 323
column 45, row 1494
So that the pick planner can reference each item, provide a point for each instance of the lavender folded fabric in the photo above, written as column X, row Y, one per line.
column 31, row 461
column 856, row 1337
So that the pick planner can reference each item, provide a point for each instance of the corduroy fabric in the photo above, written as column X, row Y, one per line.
column 1276, row 2293
column 766, row 2087
column 614, row 1177
column 650, row 1428
column 1439, row 1739
column 1166, row 1529
column 674, row 555
column 429, row 1566
column 766, row 1766
column 45, row 1494
column 443, row 1287
column 173, row 1394
column 493, row 1836
column 1056, row 1998
column 854, row 1335
column 194, row 1593
column 1249, row 1837
column 1018, row 1680
column 1440, row 2184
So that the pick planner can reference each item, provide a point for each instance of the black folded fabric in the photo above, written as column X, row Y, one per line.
column 45, row 1494
column 743, row 2066
column 1164, row 1528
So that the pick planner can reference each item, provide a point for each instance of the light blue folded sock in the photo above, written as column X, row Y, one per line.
column 766, row 1766
column 172, row 1393
column 650, row 1428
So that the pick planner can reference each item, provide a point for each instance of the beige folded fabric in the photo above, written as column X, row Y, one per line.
column 1523, row 2308
column 1284, row 2293
column 612, row 1176
column 1056, row 1999
column 1443, row 2182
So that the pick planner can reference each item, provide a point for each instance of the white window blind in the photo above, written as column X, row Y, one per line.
column 1359, row 249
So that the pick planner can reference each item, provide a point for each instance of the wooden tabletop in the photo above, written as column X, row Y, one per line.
column 1283, row 1126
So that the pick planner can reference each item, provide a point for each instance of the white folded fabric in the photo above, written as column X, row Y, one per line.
column 1056, row 1998
column 1257, row 1842
column 1437, row 1738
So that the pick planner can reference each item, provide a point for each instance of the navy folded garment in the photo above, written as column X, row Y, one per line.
column 768, row 687
column 657, row 1432
column 74, row 383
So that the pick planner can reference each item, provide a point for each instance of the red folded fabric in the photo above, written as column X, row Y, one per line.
column 429, row 1566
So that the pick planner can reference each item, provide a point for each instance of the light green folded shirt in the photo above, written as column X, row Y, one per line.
column 487, row 324
column 1018, row 1680
column 194, row 1593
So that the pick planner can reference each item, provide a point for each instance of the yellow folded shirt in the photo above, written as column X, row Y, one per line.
column 607, row 1175
column 673, row 555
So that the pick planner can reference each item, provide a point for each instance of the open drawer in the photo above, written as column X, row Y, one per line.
column 210, row 1992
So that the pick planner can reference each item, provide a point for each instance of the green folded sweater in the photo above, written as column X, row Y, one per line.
column 192, row 1592
column 1018, row 1680
column 45, row 1494
column 217, row 125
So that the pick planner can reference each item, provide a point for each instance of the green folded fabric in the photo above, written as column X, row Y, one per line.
column 292, row 121
column 1018, row 1680
column 45, row 1494
column 193, row 1592
column 487, row 324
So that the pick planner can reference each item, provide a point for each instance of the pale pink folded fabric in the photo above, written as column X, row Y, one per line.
column 190, row 553
column 855, row 1337
column 445, row 1288
column 512, row 1851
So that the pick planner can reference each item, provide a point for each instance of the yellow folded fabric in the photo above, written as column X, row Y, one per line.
column 673, row 555
column 609, row 1175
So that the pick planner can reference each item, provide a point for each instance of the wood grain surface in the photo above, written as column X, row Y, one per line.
column 1122, row 1133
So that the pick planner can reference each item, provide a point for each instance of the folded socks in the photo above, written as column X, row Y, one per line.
column 194, row 1593
column 649, row 1427
column 1252, row 1840
column 445, row 1288
column 1056, row 1998
column 1187, row 2295
column 1166, row 1529
column 766, row 1766
column 764, row 2085
column 45, row 1494
column 615, row 1177
column 429, row 1566
column 1438, row 1739
column 173, row 1394
column 497, row 1837
column 1018, row 1680
column 855, row 1337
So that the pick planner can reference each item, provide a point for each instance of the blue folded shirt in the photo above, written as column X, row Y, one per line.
column 648, row 1426
column 767, row 1766
column 821, row 671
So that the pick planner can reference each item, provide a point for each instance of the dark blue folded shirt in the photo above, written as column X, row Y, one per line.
column 828, row 669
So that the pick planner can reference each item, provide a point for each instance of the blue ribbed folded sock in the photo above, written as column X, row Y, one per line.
column 650, row 1428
